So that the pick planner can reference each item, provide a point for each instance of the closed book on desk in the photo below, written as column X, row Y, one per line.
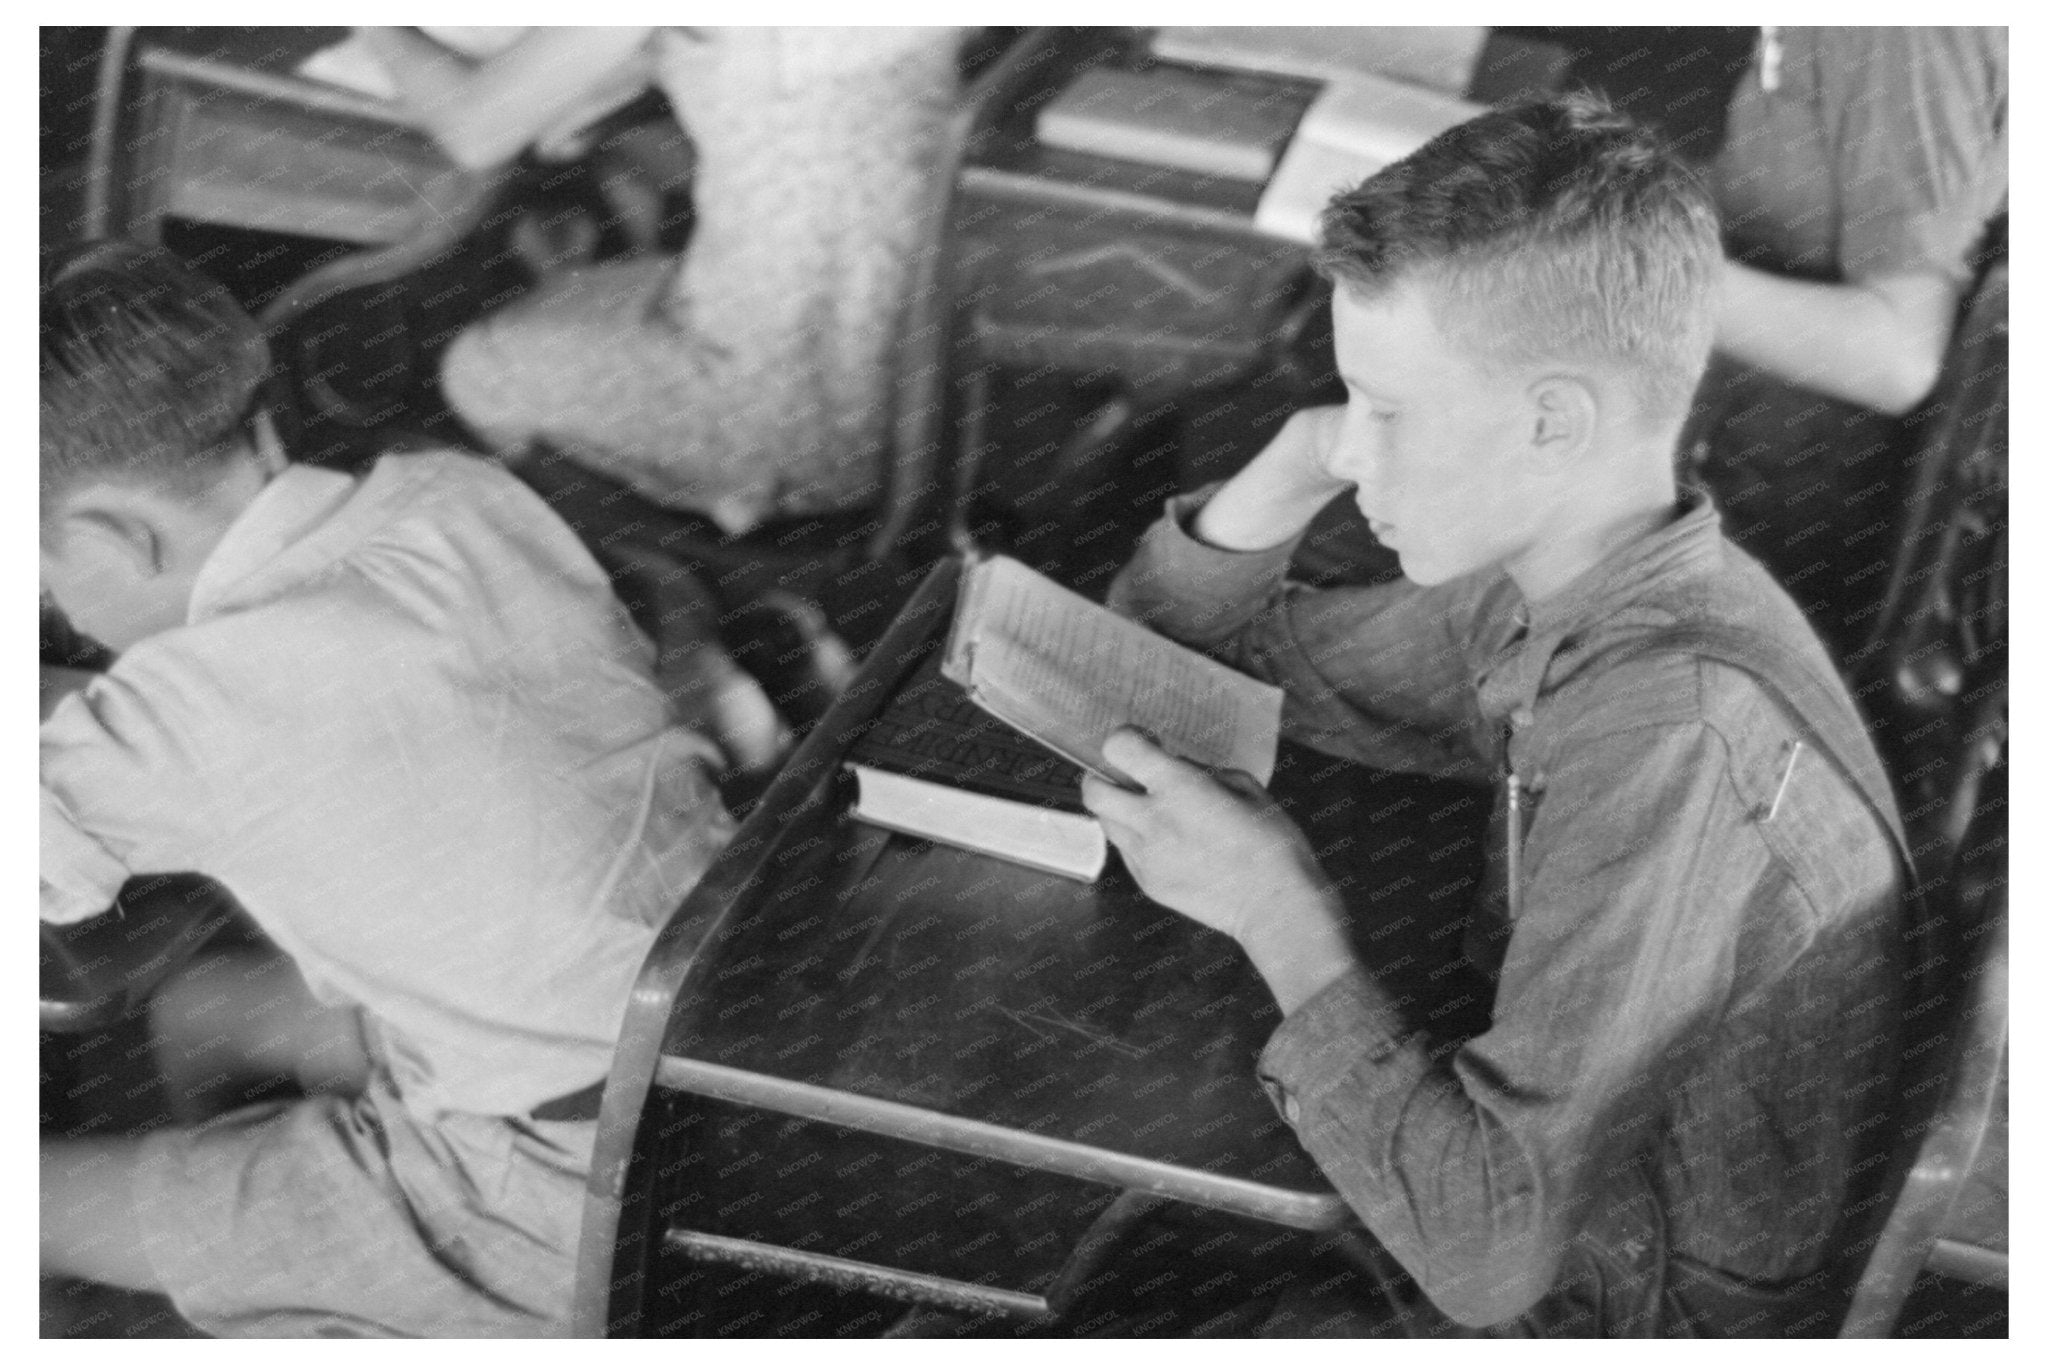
column 936, row 766
column 1440, row 56
column 1191, row 120
column 1356, row 127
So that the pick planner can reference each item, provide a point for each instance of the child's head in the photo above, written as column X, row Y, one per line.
column 150, row 380
column 1554, row 231
column 1523, row 308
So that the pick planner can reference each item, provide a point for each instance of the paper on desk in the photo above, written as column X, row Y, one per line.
column 1441, row 56
column 351, row 65
column 1356, row 126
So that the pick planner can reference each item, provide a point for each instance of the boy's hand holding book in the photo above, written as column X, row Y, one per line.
column 1218, row 849
column 1275, row 497
column 1061, row 675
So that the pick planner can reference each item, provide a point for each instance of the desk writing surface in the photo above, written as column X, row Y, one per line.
column 226, row 133
column 880, row 972
column 895, row 968
column 920, row 991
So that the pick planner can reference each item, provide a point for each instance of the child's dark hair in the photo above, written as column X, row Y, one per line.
column 1555, row 229
column 150, row 371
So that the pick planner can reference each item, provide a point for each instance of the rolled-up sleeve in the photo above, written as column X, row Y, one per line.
column 79, row 876
column 121, row 785
column 1922, row 146
column 1477, row 1169
column 1380, row 674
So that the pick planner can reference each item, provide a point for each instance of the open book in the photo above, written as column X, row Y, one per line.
column 1061, row 674
column 1355, row 127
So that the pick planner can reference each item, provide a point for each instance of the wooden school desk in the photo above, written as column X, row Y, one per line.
column 861, row 1060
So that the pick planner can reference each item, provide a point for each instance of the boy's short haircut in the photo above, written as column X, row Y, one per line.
column 1557, row 229
column 150, row 371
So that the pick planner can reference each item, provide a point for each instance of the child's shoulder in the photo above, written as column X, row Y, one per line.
column 423, row 474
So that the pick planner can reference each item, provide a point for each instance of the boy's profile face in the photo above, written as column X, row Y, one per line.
column 1432, row 440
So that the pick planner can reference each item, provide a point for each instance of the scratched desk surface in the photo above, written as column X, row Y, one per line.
column 887, row 968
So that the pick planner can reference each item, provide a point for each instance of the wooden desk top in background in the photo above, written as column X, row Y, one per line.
column 220, row 130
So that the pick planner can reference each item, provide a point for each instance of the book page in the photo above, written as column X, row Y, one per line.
column 1379, row 118
column 1355, row 127
column 351, row 65
column 1310, row 175
column 1069, row 672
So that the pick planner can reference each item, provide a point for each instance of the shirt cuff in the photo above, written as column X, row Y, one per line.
column 1193, row 591
column 1349, row 1022
column 79, row 877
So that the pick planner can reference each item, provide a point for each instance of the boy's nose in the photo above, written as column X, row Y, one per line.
column 1355, row 456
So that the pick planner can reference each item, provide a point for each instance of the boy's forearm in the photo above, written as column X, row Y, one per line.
column 1299, row 947
column 1271, row 500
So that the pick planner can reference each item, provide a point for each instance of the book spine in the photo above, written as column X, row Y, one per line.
column 1157, row 146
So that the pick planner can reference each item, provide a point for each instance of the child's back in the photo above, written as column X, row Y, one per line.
column 410, row 731
column 405, row 722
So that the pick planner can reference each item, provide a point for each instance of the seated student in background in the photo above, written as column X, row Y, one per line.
column 1861, row 170
column 403, row 720
column 752, row 377
column 1693, row 918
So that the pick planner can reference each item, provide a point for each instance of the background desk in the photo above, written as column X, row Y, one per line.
column 215, row 127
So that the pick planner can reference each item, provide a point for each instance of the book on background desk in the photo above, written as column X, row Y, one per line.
column 1045, row 676
column 1442, row 57
column 1357, row 126
column 1207, row 122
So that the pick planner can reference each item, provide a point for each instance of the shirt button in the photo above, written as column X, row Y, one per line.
column 1290, row 1109
column 1522, row 717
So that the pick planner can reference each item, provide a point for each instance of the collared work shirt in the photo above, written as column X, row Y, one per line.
column 1695, row 1008
column 1874, row 151
column 409, row 728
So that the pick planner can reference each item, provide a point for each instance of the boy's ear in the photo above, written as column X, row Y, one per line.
column 1565, row 414
column 266, row 449
column 113, row 533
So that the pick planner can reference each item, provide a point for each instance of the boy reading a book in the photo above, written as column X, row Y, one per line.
column 1673, row 1122
column 404, row 722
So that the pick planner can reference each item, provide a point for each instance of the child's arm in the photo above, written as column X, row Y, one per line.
column 59, row 683
column 78, row 876
column 124, row 780
column 1219, row 850
column 1273, row 499
column 1878, row 342
column 482, row 115
column 1378, row 674
column 1478, row 1169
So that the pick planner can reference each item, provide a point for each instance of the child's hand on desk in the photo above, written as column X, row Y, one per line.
column 1218, row 849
